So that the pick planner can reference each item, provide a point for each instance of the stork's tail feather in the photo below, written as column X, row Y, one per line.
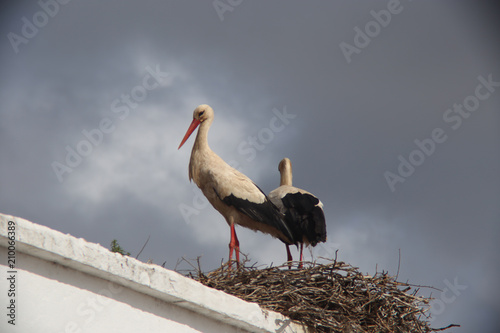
column 315, row 226
column 305, row 217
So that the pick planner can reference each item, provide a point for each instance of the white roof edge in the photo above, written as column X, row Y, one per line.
column 156, row 281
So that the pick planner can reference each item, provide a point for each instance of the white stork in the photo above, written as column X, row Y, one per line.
column 229, row 191
column 303, row 211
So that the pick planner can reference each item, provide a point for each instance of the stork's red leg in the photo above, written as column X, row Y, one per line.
column 289, row 256
column 237, row 248
column 234, row 244
column 231, row 242
column 301, row 257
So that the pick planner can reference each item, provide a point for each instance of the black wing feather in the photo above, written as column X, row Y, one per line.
column 305, row 217
column 265, row 212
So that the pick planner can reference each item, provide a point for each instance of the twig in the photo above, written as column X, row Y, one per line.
column 444, row 328
column 143, row 247
column 399, row 264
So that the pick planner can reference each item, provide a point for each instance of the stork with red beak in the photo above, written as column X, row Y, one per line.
column 229, row 191
column 303, row 211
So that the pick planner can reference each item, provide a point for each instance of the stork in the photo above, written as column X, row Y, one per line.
column 303, row 211
column 229, row 191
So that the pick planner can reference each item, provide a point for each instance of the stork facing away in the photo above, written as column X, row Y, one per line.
column 229, row 191
column 303, row 211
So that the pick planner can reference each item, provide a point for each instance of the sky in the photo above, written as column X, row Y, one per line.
column 388, row 110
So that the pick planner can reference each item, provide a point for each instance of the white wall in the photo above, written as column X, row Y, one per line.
column 65, row 284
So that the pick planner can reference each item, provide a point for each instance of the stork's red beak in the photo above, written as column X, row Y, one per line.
column 190, row 130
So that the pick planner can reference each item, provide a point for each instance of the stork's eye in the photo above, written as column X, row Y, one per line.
column 201, row 113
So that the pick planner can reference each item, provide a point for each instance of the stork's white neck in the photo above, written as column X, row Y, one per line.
column 201, row 142
column 286, row 176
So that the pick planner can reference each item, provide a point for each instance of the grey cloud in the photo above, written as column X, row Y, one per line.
column 353, row 121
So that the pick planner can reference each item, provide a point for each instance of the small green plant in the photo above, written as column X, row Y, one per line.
column 115, row 247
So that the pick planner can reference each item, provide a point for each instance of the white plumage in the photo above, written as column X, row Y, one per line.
column 229, row 191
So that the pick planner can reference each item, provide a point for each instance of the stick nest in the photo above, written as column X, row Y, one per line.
column 332, row 297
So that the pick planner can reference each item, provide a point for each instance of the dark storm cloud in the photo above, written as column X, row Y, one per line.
column 353, row 117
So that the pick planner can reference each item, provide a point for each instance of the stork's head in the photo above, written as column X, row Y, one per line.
column 285, row 164
column 203, row 113
column 285, row 169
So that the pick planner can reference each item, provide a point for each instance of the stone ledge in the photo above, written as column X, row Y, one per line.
column 150, row 279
